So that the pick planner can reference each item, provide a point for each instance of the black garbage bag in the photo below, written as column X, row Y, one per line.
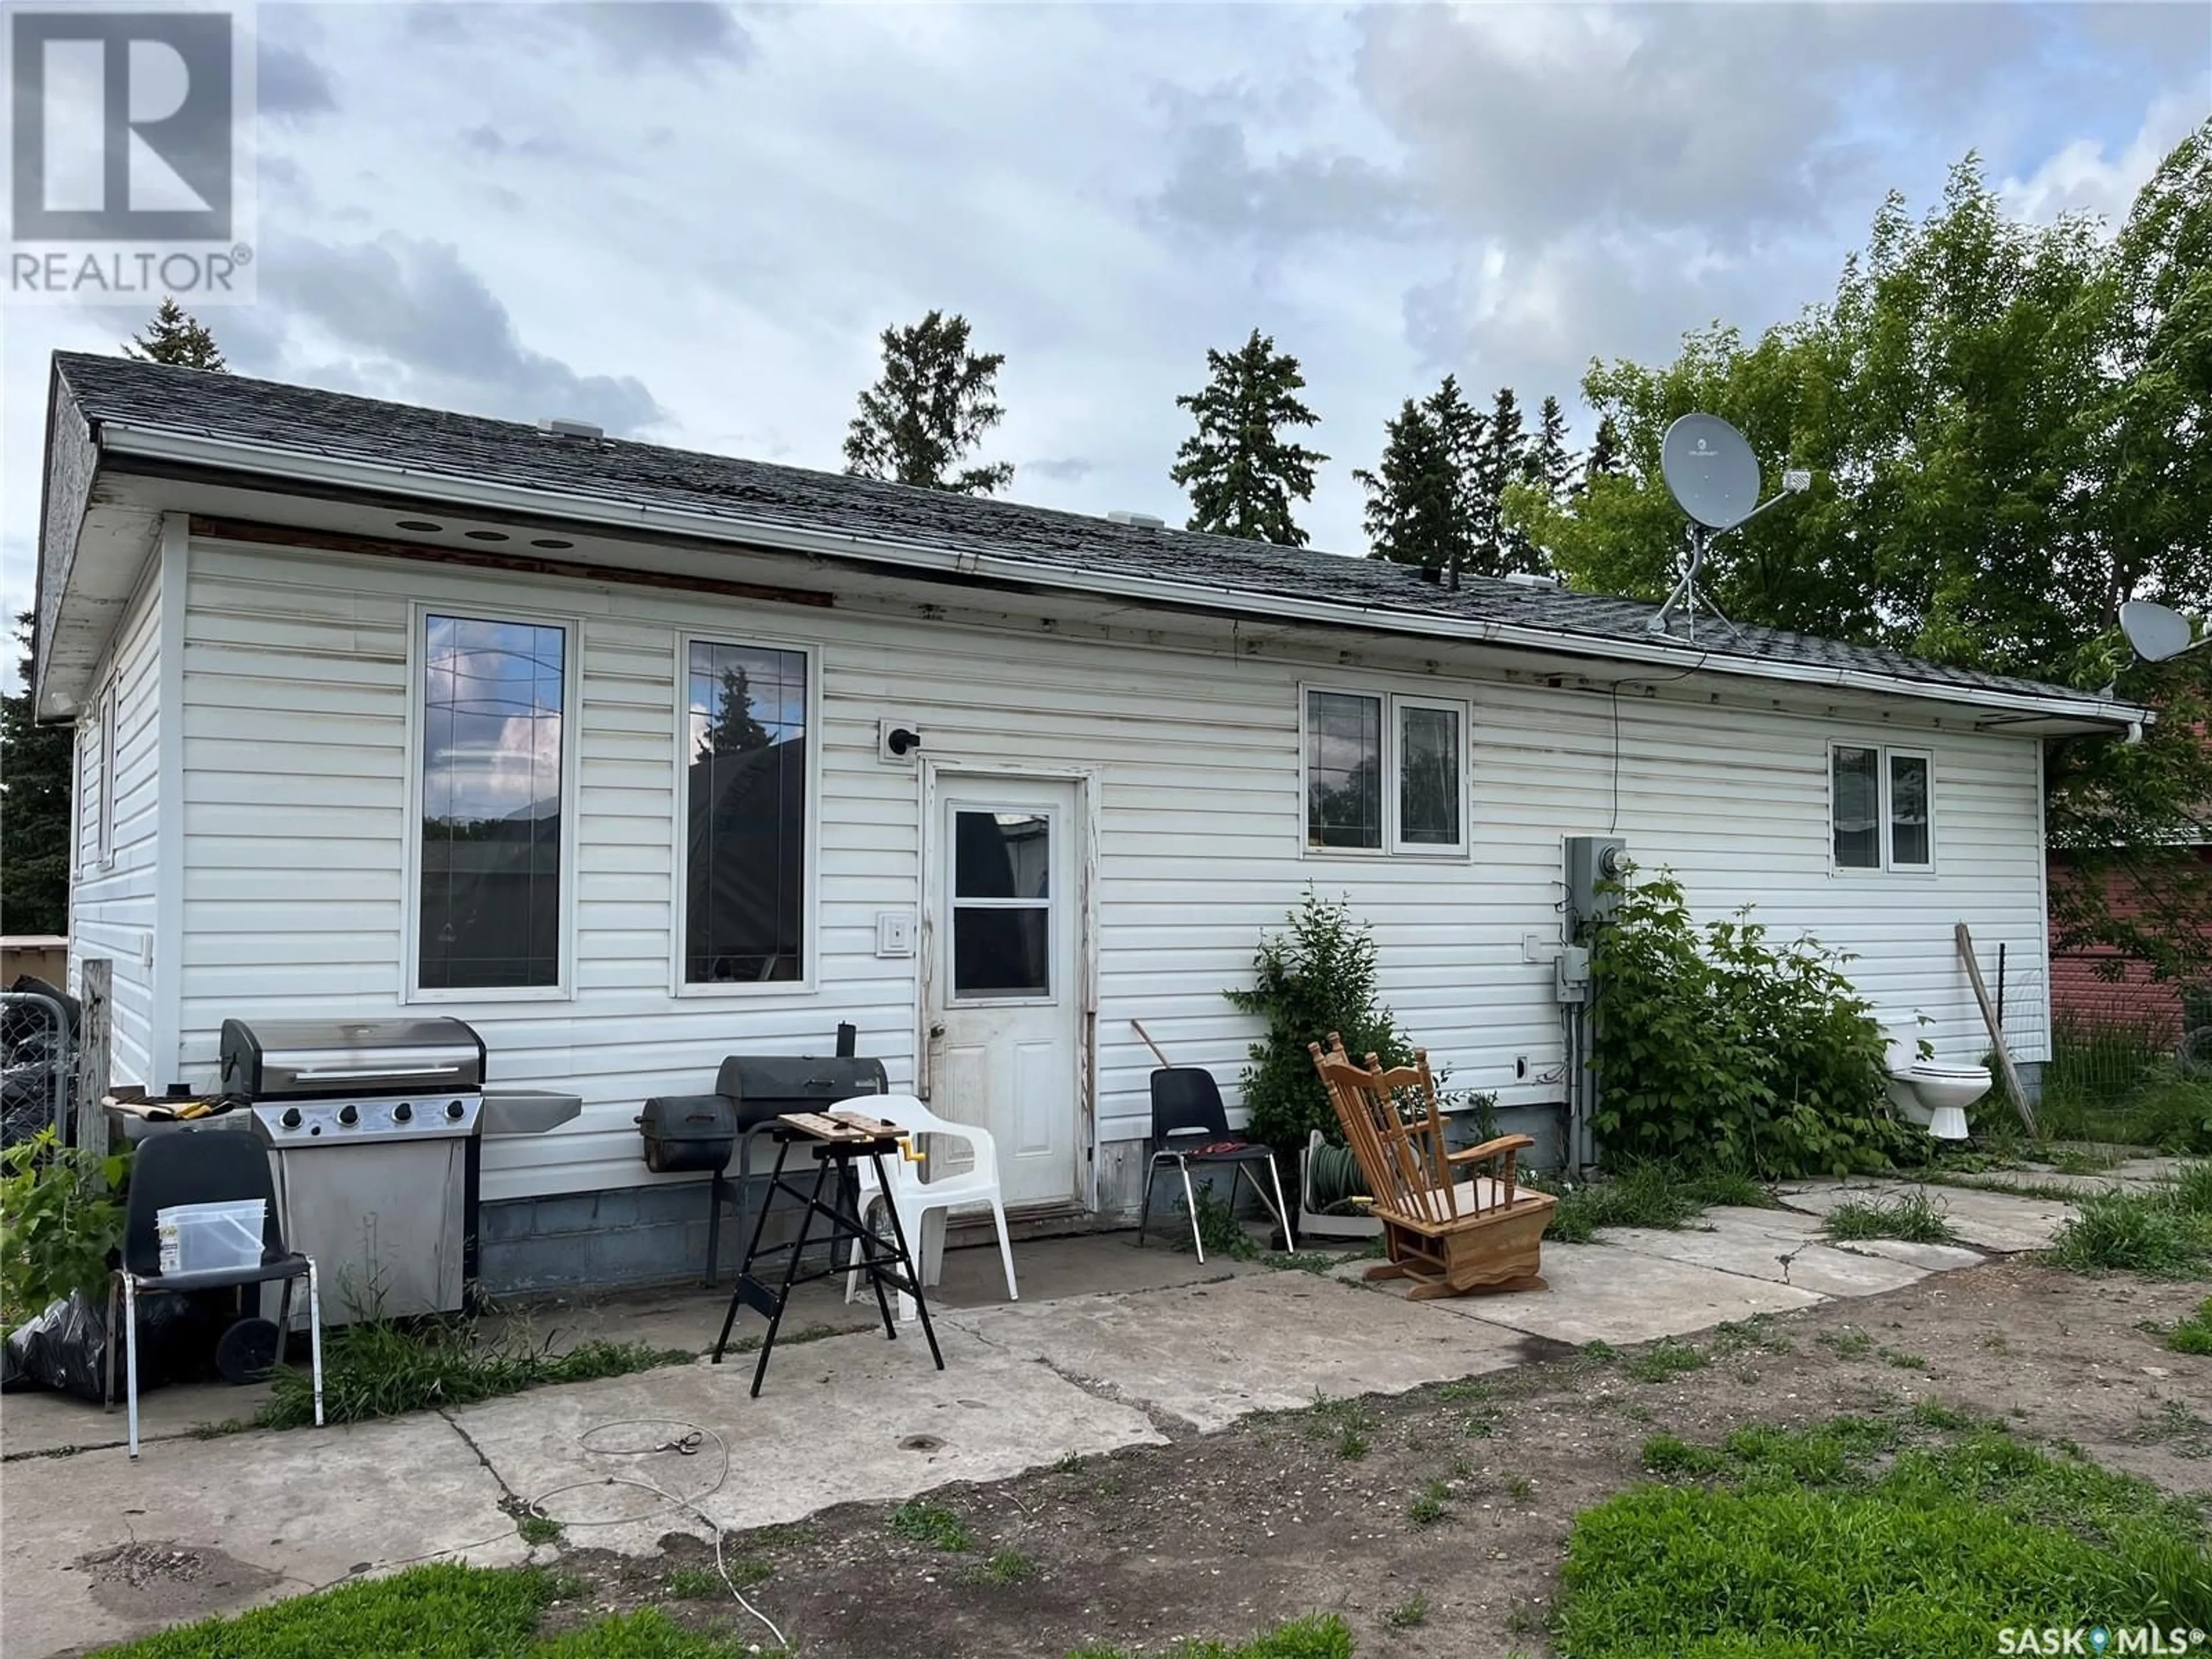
column 65, row 1347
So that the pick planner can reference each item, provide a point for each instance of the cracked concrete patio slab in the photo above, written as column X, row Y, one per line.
column 2002, row 1222
column 1210, row 1354
column 844, row 1419
column 1760, row 1250
column 225, row 1524
column 1604, row 1293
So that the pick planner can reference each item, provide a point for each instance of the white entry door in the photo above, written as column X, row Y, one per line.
column 1005, row 1005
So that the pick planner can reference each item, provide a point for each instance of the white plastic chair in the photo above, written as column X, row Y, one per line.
column 916, row 1199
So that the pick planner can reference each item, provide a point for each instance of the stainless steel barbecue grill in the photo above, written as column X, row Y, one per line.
column 372, row 1129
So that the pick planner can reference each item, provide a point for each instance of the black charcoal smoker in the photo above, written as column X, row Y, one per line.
column 701, row 1131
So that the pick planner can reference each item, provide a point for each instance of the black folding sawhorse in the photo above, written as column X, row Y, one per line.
column 836, row 1141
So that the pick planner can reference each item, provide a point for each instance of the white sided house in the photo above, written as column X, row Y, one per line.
column 591, row 745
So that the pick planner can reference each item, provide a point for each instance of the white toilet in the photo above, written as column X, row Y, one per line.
column 1935, row 1097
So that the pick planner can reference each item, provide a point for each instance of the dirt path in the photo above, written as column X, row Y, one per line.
column 1218, row 1535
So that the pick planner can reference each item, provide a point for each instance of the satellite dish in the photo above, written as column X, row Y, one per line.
column 2155, row 632
column 1709, row 471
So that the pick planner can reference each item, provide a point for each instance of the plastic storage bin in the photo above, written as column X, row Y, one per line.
column 205, row 1238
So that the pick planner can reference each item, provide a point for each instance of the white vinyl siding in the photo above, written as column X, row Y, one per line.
column 295, row 785
column 111, row 903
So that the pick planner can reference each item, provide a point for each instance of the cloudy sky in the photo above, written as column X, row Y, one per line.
column 690, row 223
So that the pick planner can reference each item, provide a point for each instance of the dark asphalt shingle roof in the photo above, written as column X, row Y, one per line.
column 467, row 447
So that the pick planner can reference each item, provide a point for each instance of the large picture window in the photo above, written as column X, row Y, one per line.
column 1384, row 773
column 1880, row 805
column 746, row 836
column 495, row 697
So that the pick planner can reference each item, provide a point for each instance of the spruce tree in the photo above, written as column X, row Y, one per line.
column 176, row 337
column 1412, row 514
column 932, row 405
column 1242, row 474
column 35, row 775
column 1502, row 460
column 1421, row 508
column 1551, row 464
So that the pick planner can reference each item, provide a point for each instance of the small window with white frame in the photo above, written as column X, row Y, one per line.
column 1384, row 773
column 1880, row 807
column 104, row 824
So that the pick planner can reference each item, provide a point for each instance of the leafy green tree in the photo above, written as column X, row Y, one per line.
column 2005, row 423
column 36, row 765
column 174, row 336
column 928, row 410
column 1242, row 473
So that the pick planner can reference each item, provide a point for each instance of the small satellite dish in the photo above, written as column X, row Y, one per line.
column 2155, row 632
column 1709, row 471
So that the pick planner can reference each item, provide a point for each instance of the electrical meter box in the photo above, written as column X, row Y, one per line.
column 1592, row 860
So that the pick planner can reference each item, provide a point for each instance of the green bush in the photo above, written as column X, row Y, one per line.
column 1714, row 1046
column 60, row 1220
column 1316, row 976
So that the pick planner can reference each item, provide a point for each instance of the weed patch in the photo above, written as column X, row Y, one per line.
column 1428, row 1506
column 1909, row 1216
column 2165, row 1232
column 1801, row 1546
column 443, row 1611
column 375, row 1368
column 1408, row 1613
column 1668, row 1356
column 932, row 1524
column 1010, row 1566
column 2194, row 1334
column 1324, row 1637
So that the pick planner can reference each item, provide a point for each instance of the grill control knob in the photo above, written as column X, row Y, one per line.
column 348, row 1116
column 455, row 1109
column 291, row 1119
column 402, row 1112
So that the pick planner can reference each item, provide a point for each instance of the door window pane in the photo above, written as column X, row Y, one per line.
column 1344, row 770
column 1908, row 809
column 492, row 710
column 1002, row 952
column 744, row 873
column 1001, row 855
column 1428, row 776
column 1856, row 802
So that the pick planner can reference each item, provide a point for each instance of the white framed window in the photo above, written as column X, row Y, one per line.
column 493, row 768
column 1383, row 774
column 1880, row 807
column 747, row 823
column 104, row 824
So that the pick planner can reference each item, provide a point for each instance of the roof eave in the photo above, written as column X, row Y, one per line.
column 280, row 465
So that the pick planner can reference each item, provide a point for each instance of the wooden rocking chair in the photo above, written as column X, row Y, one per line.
column 1447, row 1227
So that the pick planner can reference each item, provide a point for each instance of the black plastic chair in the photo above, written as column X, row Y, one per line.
column 1190, row 1125
column 203, row 1166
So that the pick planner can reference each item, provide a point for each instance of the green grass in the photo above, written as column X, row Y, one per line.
column 1761, row 1331
column 2165, row 1232
column 1658, row 1195
column 1669, row 1357
column 1799, row 1542
column 1349, row 1421
column 1408, row 1613
column 539, row 1529
column 1429, row 1506
column 439, row 1612
column 1908, row 1216
column 1324, row 1637
column 2194, row 1334
column 1010, row 1566
column 2117, row 1083
column 932, row 1524
column 376, row 1369
column 1849, row 1343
